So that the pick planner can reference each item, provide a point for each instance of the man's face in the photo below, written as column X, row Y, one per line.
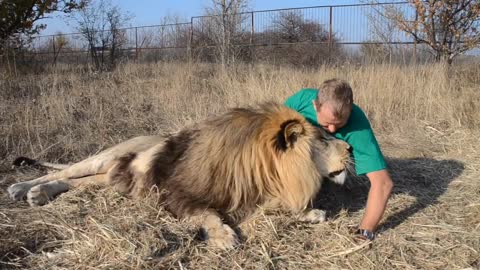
column 327, row 119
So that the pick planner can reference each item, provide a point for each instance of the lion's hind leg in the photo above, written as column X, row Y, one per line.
column 94, row 165
column 19, row 191
column 89, row 167
column 44, row 193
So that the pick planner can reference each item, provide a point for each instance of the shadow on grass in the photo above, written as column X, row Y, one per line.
column 423, row 178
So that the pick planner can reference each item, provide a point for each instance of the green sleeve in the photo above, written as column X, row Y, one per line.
column 293, row 101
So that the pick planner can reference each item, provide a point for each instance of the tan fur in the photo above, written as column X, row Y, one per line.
column 223, row 167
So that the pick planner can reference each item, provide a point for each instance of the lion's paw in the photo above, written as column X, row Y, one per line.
column 313, row 216
column 223, row 237
column 19, row 191
column 39, row 195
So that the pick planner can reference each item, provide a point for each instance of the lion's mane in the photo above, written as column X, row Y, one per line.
column 232, row 163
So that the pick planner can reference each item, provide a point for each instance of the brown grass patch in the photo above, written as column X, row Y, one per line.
column 426, row 119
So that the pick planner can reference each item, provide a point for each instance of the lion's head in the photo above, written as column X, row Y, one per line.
column 247, row 157
column 333, row 157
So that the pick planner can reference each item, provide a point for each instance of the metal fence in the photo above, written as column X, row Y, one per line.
column 349, row 26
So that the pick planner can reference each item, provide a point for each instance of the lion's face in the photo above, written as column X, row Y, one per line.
column 332, row 156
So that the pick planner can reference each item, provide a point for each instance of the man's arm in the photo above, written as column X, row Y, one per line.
column 380, row 188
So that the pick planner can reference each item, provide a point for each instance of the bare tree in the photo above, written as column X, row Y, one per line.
column 448, row 27
column 375, row 52
column 116, row 20
column 382, row 36
column 299, row 41
column 101, row 25
column 171, row 36
column 292, row 27
column 224, row 26
column 58, row 43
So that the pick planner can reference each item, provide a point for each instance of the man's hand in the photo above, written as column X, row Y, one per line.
column 358, row 236
column 380, row 188
column 365, row 234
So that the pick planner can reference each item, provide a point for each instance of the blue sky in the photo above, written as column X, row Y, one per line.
column 150, row 12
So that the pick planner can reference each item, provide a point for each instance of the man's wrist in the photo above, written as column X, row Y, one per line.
column 370, row 235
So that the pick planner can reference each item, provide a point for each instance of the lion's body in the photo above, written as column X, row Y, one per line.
column 224, row 166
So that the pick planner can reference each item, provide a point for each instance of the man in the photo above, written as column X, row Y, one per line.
column 331, row 107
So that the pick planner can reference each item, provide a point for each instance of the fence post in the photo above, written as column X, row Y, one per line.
column 252, row 38
column 330, row 32
column 54, row 51
column 190, row 41
column 136, row 44
column 415, row 41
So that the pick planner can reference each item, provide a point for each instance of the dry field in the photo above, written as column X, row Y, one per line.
column 427, row 120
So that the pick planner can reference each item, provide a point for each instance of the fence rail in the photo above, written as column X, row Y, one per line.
column 336, row 24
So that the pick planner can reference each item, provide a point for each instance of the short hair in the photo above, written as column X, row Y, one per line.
column 338, row 94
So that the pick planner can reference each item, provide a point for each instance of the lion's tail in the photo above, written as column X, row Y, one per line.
column 25, row 161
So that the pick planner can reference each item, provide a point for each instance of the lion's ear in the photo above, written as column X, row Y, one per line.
column 291, row 131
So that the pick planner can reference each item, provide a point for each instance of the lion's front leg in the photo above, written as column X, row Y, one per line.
column 218, row 234
column 312, row 216
column 309, row 215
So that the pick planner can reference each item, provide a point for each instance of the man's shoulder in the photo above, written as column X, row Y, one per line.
column 308, row 92
column 357, row 108
column 357, row 124
column 358, row 116
column 301, row 96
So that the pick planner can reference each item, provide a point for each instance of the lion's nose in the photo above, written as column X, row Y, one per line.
column 344, row 145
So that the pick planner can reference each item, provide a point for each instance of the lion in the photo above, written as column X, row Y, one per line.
column 217, row 172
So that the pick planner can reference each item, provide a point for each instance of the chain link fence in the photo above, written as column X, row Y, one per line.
column 300, row 36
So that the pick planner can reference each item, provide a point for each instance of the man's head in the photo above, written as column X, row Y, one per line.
column 333, row 104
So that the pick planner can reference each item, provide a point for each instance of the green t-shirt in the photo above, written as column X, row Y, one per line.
column 357, row 132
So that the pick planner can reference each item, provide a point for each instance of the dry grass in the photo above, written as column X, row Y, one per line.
column 427, row 121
